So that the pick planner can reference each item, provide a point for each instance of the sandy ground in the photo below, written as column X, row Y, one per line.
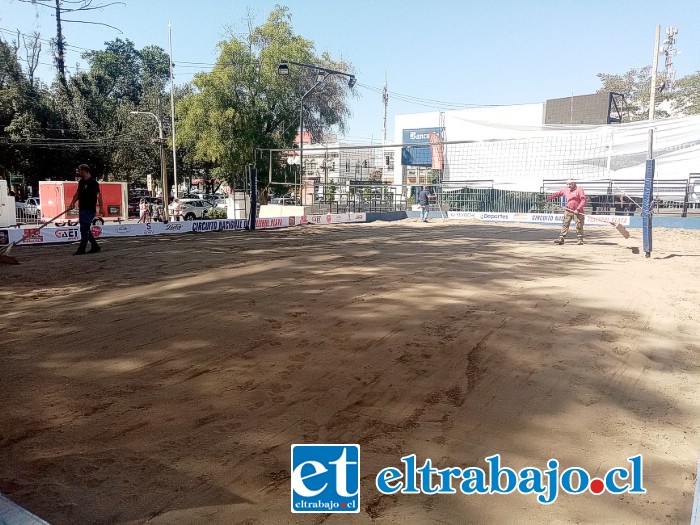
column 164, row 380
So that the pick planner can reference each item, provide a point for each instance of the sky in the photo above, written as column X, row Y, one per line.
column 434, row 55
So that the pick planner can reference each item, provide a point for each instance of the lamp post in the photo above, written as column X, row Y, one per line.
column 172, row 109
column 163, row 173
column 323, row 73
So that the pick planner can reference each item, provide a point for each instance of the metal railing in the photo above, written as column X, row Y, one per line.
column 679, row 197
column 27, row 216
column 624, row 197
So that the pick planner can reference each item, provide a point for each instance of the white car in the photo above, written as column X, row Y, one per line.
column 284, row 201
column 189, row 209
column 31, row 208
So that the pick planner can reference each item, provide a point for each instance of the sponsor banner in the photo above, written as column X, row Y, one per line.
column 274, row 222
column 212, row 225
column 460, row 214
column 72, row 233
column 334, row 218
column 607, row 219
column 539, row 218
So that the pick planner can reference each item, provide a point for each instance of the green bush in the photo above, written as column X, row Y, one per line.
column 216, row 213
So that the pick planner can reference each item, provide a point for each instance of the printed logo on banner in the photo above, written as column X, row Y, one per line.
column 462, row 215
column 149, row 229
column 96, row 231
column 329, row 219
column 304, row 219
column 325, row 478
column 64, row 233
column 546, row 218
column 122, row 229
column 4, row 237
column 173, row 226
column 32, row 235
column 291, row 221
column 496, row 217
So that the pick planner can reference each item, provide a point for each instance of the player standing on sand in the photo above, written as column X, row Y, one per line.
column 575, row 203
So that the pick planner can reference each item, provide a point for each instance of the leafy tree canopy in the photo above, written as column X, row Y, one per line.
column 243, row 104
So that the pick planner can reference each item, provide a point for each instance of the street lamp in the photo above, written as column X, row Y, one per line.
column 163, row 173
column 323, row 74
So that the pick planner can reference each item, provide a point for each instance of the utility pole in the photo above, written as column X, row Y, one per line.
column 654, row 66
column 385, row 100
column 172, row 109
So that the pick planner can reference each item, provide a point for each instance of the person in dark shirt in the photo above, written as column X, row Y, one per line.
column 88, row 198
column 424, row 198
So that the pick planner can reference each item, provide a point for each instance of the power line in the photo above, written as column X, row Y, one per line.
column 49, row 41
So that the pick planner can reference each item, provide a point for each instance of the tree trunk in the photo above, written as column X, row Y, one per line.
column 60, row 49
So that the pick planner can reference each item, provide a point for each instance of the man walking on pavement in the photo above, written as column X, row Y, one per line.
column 424, row 200
column 89, row 201
column 575, row 203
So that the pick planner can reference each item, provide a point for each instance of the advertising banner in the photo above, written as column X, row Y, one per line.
column 72, row 233
column 334, row 218
column 541, row 218
column 420, row 155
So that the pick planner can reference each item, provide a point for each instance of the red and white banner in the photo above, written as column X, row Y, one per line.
column 72, row 233
column 436, row 151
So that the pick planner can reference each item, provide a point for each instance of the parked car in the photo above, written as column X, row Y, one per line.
column 216, row 200
column 30, row 208
column 284, row 201
column 189, row 209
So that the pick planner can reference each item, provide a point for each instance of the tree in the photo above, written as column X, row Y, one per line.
column 121, row 79
column 243, row 104
column 23, row 116
column 59, row 43
column 682, row 99
column 634, row 86
column 687, row 94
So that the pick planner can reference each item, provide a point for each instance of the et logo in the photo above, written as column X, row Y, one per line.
column 325, row 478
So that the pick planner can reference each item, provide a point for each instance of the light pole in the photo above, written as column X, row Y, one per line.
column 163, row 173
column 323, row 73
column 172, row 109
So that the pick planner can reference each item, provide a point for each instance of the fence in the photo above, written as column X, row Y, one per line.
column 27, row 215
column 355, row 197
column 605, row 197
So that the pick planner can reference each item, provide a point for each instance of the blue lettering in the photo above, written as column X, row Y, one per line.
column 637, row 474
column 474, row 481
column 495, row 473
column 531, row 481
column 385, row 477
column 552, row 483
column 410, row 487
column 584, row 480
column 611, row 486
column 426, row 477
column 446, row 476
